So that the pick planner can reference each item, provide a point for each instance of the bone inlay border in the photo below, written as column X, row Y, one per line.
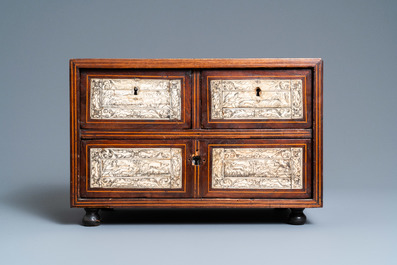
column 136, row 168
column 257, row 168
column 135, row 99
column 256, row 99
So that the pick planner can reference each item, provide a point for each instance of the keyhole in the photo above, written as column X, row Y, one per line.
column 136, row 91
column 195, row 160
column 258, row 91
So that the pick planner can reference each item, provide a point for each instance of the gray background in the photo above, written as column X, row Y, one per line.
column 356, row 39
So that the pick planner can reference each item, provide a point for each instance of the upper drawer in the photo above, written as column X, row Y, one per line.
column 135, row 99
column 256, row 99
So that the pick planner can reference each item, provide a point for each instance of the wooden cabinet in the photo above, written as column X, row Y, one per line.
column 196, row 133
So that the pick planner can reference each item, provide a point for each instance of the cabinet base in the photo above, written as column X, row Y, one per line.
column 296, row 216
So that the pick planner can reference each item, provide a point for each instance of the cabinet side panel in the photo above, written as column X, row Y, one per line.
column 318, row 134
column 74, row 132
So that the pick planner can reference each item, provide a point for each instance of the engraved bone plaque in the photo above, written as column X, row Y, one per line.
column 257, row 168
column 256, row 99
column 135, row 99
column 136, row 168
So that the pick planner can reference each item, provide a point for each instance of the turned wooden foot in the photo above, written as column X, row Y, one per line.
column 91, row 217
column 297, row 217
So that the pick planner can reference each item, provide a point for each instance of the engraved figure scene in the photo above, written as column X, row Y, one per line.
column 135, row 99
column 256, row 99
column 257, row 168
column 136, row 168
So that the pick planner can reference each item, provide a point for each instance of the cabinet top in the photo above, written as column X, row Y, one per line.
column 197, row 63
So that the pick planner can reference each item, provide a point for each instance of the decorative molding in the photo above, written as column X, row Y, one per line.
column 257, row 168
column 136, row 168
column 136, row 99
column 239, row 99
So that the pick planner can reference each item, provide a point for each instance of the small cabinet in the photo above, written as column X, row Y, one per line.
column 196, row 133
column 135, row 99
column 135, row 169
column 256, row 99
column 256, row 168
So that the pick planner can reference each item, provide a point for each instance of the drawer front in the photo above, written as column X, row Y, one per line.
column 256, row 168
column 136, row 99
column 257, row 99
column 135, row 169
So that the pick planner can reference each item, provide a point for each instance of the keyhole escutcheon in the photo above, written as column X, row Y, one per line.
column 195, row 160
column 258, row 91
column 136, row 90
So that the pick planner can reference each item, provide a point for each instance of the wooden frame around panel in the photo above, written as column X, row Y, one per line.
column 187, row 171
column 233, row 74
column 316, row 133
column 207, row 192
column 88, row 123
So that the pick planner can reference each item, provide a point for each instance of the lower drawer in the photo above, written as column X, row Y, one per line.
column 135, row 169
column 255, row 168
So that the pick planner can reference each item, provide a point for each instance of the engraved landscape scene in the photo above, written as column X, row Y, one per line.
column 256, row 99
column 257, row 168
column 143, row 99
column 136, row 168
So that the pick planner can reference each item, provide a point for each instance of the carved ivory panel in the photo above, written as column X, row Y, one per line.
column 256, row 99
column 136, row 168
column 257, row 168
column 135, row 99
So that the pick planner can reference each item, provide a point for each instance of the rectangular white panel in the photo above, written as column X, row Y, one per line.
column 256, row 99
column 257, row 168
column 136, row 168
column 135, row 99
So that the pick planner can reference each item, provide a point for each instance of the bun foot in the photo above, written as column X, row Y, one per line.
column 297, row 217
column 91, row 217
